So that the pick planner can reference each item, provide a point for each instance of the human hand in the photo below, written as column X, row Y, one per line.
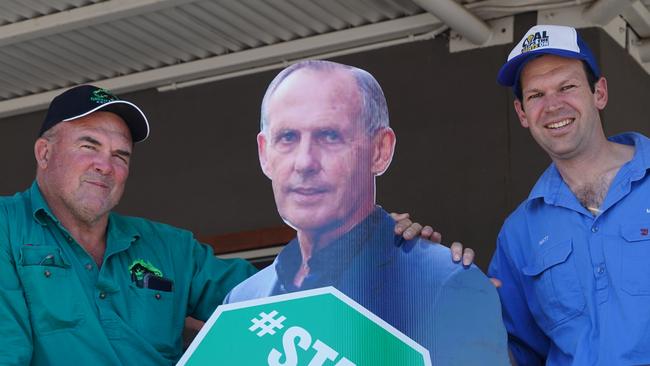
column 409, row 229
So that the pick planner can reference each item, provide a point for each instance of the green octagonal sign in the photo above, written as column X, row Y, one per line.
column 314, row 327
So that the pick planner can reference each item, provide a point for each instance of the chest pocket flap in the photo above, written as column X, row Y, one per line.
column 51, row 288
column 635, row 232
column 552, row 277
column 549, row 257
column 635, row 266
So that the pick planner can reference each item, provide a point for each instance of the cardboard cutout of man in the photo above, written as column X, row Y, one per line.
column 573, row 257
column 80, row 284
column 324, row 138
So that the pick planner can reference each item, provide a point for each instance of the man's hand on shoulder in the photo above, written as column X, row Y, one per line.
column 408, row 229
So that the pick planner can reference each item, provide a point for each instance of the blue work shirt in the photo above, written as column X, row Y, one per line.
column 411, row 284
column 576, row 287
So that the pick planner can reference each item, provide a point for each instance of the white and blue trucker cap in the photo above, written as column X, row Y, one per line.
column 545, row 40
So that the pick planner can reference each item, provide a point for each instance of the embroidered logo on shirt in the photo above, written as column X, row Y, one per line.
column 644, row 231
column 140, row 267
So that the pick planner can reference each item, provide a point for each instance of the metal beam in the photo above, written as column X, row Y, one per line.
column 458, row 19
column 243, row 60
column 644, row 50
column 79, row 18
column 638, row 16
column 603, row 11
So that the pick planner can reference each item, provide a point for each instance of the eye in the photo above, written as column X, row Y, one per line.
column 124, row 159
column 567, row 87
column 534, row 96
column 329, row 136
column 89, row 147
column 286, row 137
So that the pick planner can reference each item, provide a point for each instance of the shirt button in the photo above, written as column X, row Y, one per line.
column 158, row 296
column 594, row 229
column 89, row 266
column 102, row 295
column 600, row 270
column 47, row 273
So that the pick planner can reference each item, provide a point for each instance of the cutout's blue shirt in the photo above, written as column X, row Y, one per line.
column 576, row 287
column 413, row 285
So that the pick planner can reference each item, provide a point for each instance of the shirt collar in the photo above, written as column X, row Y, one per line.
column 640, row 162
column 40, row 209
column 551, row 186
column 119, row 234
column 328, row 263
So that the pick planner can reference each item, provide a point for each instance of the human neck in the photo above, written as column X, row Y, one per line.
column 589, row 176
column 91, row 236
column 312, row 241
column 594, row 164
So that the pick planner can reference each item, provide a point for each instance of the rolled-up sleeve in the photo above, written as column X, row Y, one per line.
column 212, row 279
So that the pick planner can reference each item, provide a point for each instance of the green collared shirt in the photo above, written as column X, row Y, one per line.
column 58, row 308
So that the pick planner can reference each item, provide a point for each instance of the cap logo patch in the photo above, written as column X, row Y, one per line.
column 102, row 96
column 534, row 41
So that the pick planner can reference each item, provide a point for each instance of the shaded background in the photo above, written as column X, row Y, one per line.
column 462, row 161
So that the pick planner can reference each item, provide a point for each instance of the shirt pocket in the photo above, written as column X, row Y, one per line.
column 51, row 289
column 556, row 284
column 635, row 267
column 154, row 317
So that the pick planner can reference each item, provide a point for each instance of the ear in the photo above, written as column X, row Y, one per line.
column 519, row 108
column 261, row 152
column 600, row 93
column 42, row 151
column 383, row 147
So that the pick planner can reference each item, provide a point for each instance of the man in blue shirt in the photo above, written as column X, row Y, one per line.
column 573, row 257
column 325, row 136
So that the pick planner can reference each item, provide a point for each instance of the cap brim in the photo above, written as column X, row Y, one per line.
column 129, row 112
column 508, row 73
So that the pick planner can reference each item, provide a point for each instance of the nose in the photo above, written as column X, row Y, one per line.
column 307, row 158
column 102, row 164
column 553, row 102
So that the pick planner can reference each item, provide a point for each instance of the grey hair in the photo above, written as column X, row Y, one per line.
column 373, row 111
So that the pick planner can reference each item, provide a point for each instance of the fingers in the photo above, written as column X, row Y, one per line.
column 468, row 257
column 426, row 232
column 456, row 251
column 401, row 225
column 496, row 282
column 399, row 216
column 412, row 231
column 436, row 237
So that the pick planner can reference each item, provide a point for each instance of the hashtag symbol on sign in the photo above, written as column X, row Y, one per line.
column 267, row 323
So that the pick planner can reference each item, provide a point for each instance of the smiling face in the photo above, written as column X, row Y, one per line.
column 83, row 166
column 321, row 160
column 559, row 108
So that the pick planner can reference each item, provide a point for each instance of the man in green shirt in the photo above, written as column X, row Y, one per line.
column 82, row 285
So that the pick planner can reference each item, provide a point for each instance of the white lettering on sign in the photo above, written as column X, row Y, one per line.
column 323, row 354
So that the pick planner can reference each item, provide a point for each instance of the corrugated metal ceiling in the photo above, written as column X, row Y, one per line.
column 46, row 45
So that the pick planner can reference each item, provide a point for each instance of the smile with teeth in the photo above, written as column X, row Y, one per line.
column 560, row 124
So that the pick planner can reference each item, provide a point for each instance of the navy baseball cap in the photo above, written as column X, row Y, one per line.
column 83, row 100
column 545, row 40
